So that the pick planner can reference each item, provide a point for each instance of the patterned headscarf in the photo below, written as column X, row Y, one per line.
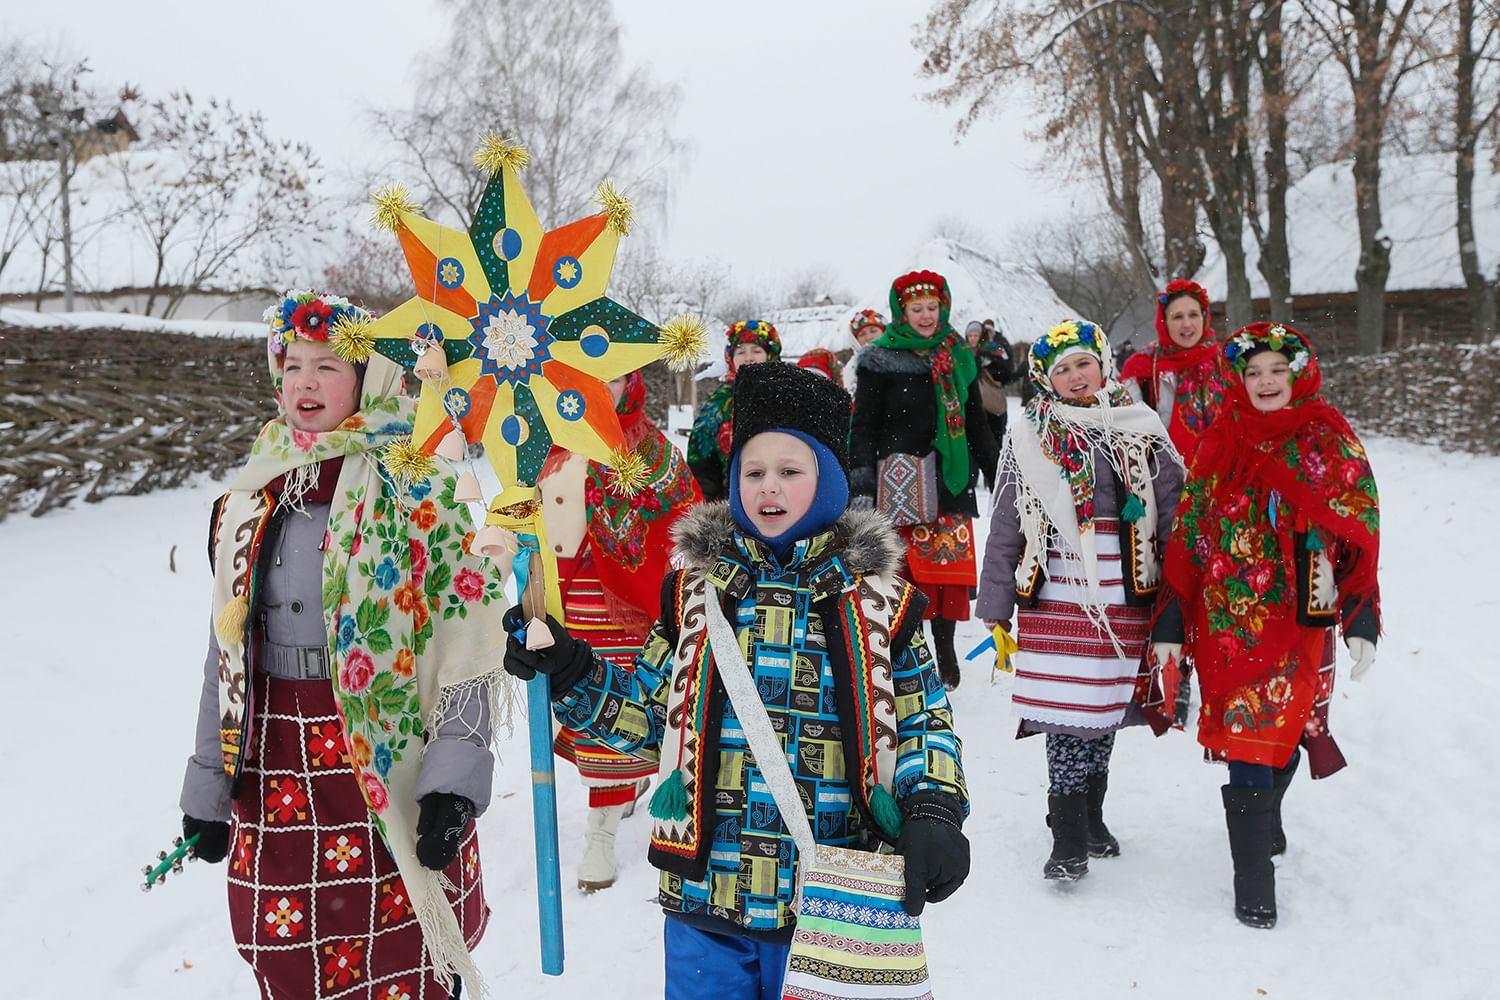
column 1231, row 560
column 951, row 363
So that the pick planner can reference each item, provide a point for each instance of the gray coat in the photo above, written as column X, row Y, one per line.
column 1006, row 543
column 288, row 613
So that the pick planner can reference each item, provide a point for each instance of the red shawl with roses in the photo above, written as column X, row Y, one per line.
column 1200, row 378
column 1262, row 484
column 631, row 536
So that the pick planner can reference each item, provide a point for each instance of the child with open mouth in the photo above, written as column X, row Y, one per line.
column 1276, row 542
column 832, row 638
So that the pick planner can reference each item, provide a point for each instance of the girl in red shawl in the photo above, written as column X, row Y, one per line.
column 1276, row 541
column 611, row 559
column 1182, row 376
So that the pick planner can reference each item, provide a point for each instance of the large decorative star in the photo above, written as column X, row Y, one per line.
column 530, row 337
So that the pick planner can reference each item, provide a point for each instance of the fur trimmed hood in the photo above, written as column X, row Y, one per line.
column 865, row 540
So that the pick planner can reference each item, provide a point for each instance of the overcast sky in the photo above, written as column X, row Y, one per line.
column 812, row 145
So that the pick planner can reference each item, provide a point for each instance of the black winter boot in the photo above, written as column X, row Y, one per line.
column 1249, row 813
column 947, row 659
column 1102, row 843
column 1281, row 778
column 1067, row 815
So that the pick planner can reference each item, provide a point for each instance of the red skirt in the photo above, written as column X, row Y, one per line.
column 940, row 562
column 316, row 903
column 610, row 776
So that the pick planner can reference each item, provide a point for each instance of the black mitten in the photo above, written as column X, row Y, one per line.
column 935, row 848
column 440, row 826
column 213, row 838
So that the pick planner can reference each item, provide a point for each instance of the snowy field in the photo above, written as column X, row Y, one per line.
column 1386, row 891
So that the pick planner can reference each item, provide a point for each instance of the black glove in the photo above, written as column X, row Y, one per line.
column 565, row 661
column 440, row 826
column 213, row 838
column 935, row 849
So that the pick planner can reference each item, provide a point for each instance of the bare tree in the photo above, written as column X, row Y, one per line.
column 1086, row 261
column 1372, row 42
column 369, row 270
column 1476, row 109
column 214, row 193
column 552, row 74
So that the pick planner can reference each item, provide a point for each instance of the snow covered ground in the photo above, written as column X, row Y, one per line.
column 1383, row 892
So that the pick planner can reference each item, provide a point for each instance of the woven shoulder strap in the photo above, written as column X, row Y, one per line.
column 729, row 661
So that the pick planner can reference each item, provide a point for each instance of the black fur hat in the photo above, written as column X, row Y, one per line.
column 776, row 396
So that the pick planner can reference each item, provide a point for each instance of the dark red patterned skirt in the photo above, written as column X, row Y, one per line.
column 316, row 903
column 940, row 561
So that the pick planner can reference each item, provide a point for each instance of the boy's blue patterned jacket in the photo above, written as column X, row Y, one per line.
column 835, row 640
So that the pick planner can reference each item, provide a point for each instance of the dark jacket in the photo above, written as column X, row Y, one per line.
column 895, row 413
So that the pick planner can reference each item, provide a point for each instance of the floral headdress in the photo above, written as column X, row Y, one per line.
column 921, row 284
column 864, row 318
column 1258, row 337
column 752, row 331
column 310, row 315
column 1068, row 337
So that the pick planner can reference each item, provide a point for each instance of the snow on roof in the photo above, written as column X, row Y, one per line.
column 26, row 319
column 801, row 330
column 111, row 251
column 1418, row 208
column 1015, row 296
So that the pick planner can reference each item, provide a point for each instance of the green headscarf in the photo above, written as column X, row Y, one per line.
column 953, row 370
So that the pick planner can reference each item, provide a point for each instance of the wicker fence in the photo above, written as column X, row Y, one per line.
column 1446, row 395
column 89, row 414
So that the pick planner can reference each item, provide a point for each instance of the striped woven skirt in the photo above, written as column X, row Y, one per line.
column 1069, row 677
column 316, row 903
column 609, row 775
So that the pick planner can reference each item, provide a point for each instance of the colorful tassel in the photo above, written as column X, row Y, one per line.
column 230, row 625
column 1314, row 541
column 669, row 801
column 887, row 813
column 1134, row 509
column 407, row 463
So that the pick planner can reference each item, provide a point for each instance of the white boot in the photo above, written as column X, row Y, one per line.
column 597, row 869
column 641, row 788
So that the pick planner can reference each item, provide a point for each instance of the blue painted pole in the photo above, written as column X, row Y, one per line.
column 531, row 584
column 544, row 813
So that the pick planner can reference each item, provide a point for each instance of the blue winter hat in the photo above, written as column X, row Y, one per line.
column 830, row 500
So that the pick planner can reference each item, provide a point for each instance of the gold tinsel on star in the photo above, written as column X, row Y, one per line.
column 621, row 213
column 407, row 463
column 627, row 472
column 351, row 339
column 497, row 152
column 390, row 203
column 684, row 338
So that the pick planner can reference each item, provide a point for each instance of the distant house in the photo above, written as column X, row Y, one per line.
column 1426, row 299
column 112, row 134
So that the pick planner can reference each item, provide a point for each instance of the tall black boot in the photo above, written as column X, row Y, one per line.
column 947, row 659
column 1067, row 815
column 1249, row 813
column 1281, row 778
column 1102, row 843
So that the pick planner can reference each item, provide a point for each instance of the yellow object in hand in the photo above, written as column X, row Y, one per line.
column 1005, row 648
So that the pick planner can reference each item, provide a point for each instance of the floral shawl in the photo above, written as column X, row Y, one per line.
column 631, row 537
column 1262, row 484
column 413, row 620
